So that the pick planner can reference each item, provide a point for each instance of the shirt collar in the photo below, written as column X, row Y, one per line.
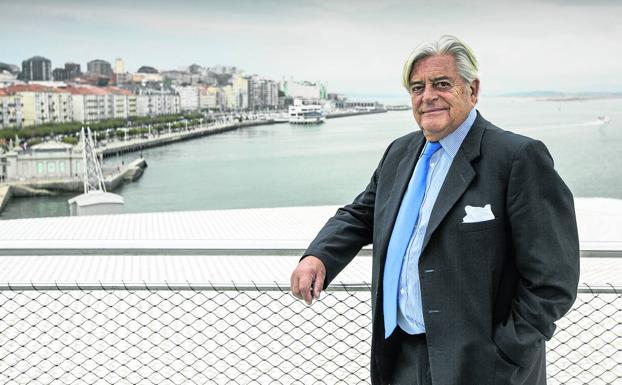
column 452, row 142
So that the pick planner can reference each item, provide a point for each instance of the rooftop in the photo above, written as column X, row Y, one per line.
column 225, row 245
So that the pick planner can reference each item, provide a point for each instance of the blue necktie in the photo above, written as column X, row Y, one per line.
column 401, row 235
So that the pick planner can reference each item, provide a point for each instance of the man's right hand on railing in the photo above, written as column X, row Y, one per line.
column 307, row 279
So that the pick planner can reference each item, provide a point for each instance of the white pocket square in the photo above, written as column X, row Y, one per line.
column 477, row 214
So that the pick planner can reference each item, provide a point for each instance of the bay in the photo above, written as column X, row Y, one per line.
column 288, row 165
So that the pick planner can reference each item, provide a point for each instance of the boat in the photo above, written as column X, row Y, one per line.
column 95, row 200
column 305, row 112
column 604, row 119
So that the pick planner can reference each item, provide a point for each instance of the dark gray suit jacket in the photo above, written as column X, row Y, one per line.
column 491, row 290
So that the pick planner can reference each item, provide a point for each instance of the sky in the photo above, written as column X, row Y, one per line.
column 354, row 47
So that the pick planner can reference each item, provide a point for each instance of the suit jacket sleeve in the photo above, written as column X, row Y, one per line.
column 545, row 243
column 351, row 228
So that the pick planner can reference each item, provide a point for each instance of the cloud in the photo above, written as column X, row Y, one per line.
column 350, row 45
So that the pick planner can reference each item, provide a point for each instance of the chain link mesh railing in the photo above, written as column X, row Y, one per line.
column 228, row 334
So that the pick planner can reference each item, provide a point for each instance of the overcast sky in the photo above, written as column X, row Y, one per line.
column 355, row 47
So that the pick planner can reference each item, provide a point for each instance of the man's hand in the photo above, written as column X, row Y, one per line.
column 308, row 279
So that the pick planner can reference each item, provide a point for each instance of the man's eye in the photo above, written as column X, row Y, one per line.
column 442, row 85
column 416, row 89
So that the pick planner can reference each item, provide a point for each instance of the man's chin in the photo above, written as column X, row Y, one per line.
column 433, row 133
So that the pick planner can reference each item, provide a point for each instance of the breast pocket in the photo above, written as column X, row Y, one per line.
column 478, row 249
column 477, row 226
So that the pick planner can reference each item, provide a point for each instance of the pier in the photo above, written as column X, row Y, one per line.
column 45, row 187
column 138, row 144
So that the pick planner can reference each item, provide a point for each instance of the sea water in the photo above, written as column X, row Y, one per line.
column 329, row 164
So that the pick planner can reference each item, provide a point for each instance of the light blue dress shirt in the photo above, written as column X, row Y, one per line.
column 410, row 312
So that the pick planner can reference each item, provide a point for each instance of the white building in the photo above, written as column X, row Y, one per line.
column 41, row 104
column 262, row 93
column 10, row 110
column 157, row 104
column 91, row 104
column 303, row 90
column 119, row 66
column 50, row 160
column 188, row 98
column 239, row 92
column 212, row 98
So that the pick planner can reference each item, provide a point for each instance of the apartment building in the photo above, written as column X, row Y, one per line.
column 10, row 110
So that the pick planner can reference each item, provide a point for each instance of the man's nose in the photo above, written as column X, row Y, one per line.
column 429, row 94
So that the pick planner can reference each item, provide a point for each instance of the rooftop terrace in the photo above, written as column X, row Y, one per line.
column 203, row 297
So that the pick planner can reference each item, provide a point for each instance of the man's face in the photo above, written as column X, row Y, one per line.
column 441, row 100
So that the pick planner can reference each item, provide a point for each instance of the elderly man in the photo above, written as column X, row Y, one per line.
column 476, row 252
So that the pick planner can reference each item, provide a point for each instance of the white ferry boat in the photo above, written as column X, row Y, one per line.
column 310, row 113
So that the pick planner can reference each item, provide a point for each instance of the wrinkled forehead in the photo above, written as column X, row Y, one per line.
column 434, row 67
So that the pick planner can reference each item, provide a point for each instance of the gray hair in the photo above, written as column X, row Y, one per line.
column 446, row 45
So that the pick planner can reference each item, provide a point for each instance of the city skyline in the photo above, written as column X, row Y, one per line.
column 355, row 48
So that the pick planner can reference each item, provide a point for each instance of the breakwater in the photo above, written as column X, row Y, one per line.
column 353, row 113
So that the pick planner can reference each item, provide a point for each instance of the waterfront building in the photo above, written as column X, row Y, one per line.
column 123, row 103
column 188, row 97
column 90, row 104
column 132, row 105
column 151, row 102
column 49, row 160
column 42, row 104
column 36, row 68
column 303, row 90
column 229, row 97
column 262, row 93
column 10, row 110
column 240, row 92
column 211, row 98
column 99, row 67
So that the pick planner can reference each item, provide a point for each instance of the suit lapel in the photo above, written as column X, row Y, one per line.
column 458, row 179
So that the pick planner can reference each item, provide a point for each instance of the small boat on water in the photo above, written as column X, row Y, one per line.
column 95, row 200
column 604, row 119
column 306, row 113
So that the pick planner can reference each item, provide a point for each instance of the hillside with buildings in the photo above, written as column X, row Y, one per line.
column 38, row 95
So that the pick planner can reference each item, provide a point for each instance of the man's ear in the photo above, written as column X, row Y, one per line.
column 474, row 87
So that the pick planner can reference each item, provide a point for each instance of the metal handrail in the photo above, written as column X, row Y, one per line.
column 584, row 288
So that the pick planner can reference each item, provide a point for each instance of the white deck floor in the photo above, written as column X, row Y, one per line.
column 224, row 246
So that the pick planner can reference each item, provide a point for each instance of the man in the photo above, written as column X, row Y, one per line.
column 475, row 242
